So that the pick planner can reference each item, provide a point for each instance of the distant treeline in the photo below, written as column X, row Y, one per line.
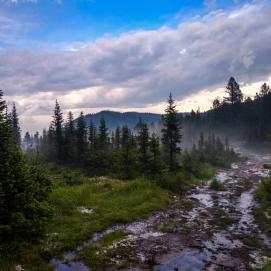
column 124, row 152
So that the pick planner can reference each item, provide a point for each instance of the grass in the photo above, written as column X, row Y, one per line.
column 263, row 212
column 222, row 219
column 252, row 241
column 99, row 256
column 216, row 185
column 178, row 183
column 245, row 185
column 112, row 201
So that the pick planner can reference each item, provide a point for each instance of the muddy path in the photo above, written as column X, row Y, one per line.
column 204, row 230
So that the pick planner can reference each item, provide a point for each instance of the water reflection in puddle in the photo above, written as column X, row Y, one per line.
column 187, row 260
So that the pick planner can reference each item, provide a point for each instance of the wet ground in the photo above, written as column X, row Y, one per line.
column 204, row 230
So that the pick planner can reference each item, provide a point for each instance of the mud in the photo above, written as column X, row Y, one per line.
column 210, row 236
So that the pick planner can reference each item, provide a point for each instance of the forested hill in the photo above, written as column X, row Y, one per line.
column 115, row 119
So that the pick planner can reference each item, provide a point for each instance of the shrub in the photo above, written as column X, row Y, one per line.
column 216, row 185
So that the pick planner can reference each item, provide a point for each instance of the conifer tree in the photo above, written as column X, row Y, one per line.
column 81, row 136
column 58, row 131
column 15, row 125
column 234, row 92
column 127, row 155
column 117, row 138
column 92, row 136
column 143, row 144
column 23, row 190
column 70, row 138
column 103, row 134
column 171, row 134
column 155, row 164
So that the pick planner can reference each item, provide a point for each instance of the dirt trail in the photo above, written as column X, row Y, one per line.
column 209, row 235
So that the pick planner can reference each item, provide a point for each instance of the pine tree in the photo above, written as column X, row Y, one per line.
column 70, row 138
column 103, row 134
column 143, row 144
column 171, row 134
column 15, row 126
column 117, row 138
column 92, row 136
column 234, row 92
column 265, row 89
column 23, row 190
column 81, row 136
column 127, row 154
column 155, row 164
column 58, row 129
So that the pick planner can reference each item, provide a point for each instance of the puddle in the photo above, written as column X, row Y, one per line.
column 204, row 199
column 187, row 260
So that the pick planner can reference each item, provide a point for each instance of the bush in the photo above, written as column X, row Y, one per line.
column 216, row 185
column 178, row 182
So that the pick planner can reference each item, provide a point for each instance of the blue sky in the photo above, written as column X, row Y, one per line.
column 60, row 22
column 127, row 55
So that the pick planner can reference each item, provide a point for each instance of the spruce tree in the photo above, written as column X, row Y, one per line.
column 103, row 134
column 117, row 138
column 58, row 132
column 70, row 138
column 171, row 134
column 81, row 136
column 92, row 136
column 234, row 92
column 23, row 189
column 143, row 144
column 15, row 125
column 155, row 164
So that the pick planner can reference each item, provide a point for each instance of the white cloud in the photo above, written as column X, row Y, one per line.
column 140, row 68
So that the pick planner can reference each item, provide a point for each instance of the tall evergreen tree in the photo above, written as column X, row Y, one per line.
column 127, row 154
column 171, row 134
column 103, row 134
column 23, row 190
column 117, row 138
column 70, row 138
column 15, row 125
column 81, row 135
column 143, row 144
column 155, row 164
column 234, row 92
column 92, row 136
column 58, row 129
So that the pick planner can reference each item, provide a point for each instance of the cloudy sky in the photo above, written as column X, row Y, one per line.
column 128, row 55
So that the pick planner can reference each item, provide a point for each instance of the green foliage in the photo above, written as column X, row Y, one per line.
column 178, row 182
column 99, row 256
column 263, row 212
column 216, row 185
column 171, row 134
column 112, row 202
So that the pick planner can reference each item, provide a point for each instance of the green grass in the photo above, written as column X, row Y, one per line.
column 177, row 182
column 98, row 256
column 112, row 201
column 263, row 212
column 216, row 185
column 222, row 219
column 245, row 185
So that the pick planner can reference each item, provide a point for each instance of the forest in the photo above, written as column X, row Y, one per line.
column 49, row 183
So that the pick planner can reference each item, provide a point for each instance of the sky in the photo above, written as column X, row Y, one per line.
column 125, row 55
